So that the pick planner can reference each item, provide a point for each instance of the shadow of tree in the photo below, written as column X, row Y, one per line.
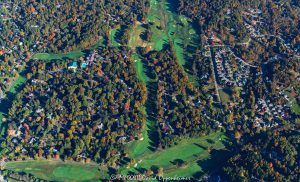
column 214, row 163
column 10, row 97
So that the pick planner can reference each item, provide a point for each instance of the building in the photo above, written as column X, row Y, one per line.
column 73, row 66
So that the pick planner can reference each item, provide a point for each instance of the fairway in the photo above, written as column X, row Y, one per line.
column 13, row 90
column 73, row 173
column 59, row 171
column 46, row 56
column 295, row 107
column 19, row 82
column 141, row 147
column 194, row 151
column 140, row 69
column 113, row 40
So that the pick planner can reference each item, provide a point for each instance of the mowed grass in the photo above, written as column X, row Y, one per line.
column 18, row 82
column 47, row 56
column 141, row 148
column 187, row 171
column 159, row 36
column 295, row 107
column 140, row 69
column 13, row 90
column 113, row 37
column 185, row 150
column 59, row 171
column 225, row 97
column 192, row 151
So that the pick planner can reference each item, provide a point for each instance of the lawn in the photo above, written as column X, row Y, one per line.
column 140, row 69
column 17, row 83
column 113, row 40
column 13, row 89
column 192, row 150
column 187, row 147
column 140, row 148
column 295, row 107
column 59, row 171
column 46, row 56
column 225, row 97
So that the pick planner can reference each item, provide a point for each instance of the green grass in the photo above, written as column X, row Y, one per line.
column 113, row 40
column 59, row 171
column 13, row 89
column 17, row 83
column 73, row 173
column 141, row 148
column 140, row 69
column 159, row 36
column 135, row 39
column 295, row 107
column 178, row 31
column 225, row 97
column 187, row 147
column 179, row 51
column 191, row 150
column 46, row 56
column 188, row 171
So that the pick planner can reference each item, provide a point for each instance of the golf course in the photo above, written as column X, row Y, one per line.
column 190, row 157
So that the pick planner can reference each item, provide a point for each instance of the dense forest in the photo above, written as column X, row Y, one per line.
column 271, row 156
column 68, row 25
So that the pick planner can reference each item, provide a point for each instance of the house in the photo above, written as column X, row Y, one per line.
column 100, row 126
column 83, row 65
column 12, row 133
column 73, row 66
column 123, row 138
